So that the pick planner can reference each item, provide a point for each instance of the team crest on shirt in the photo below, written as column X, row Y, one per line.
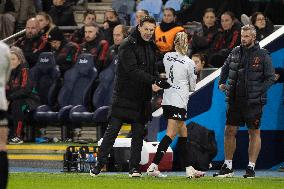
column 256, row 62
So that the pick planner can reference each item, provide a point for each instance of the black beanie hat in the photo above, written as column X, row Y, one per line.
column 55, row 34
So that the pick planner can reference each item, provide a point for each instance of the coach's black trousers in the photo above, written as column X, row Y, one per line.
column 110, row 136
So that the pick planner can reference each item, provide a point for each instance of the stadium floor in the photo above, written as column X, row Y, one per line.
column 238, row 173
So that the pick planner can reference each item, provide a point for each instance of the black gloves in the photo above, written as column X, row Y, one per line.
column 162, row 83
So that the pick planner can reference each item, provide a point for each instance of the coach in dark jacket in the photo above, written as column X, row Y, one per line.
column 249, row 73
column 132, row 93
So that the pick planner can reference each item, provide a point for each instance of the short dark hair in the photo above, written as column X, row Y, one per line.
column 209, row 10
column 147, row 19
column 200, row 56
column 231, row 14
column 254, row 16
column 170, row 9
column 145, row 11
column 113, row 11
column 89, row 11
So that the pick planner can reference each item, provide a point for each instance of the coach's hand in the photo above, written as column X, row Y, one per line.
column 163, row 83
column 156, row 88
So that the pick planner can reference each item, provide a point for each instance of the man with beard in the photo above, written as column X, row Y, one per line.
column 246, row 76
column 32, row 43
column 79, row 34
column 95, row 45
column 65, row 52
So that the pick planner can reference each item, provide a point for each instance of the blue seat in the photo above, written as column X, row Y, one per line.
column 101, row 100
column 45, row 76
column 153, row 7
column 76, row 90
column 124, row 9
column 175, row 4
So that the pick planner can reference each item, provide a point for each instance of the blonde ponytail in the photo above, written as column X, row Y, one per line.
column 181, row 43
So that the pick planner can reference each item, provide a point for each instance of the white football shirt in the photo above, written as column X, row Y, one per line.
column 180, row 73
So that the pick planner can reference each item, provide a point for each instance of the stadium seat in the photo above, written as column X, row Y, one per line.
column 45, row 76
column 154, row 7
column 124, row 9
column 76, row 90
column 175, row 4
column 101, row 100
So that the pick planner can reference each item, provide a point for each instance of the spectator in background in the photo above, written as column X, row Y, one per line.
column 110, row 21
column 139, row 15
column 46, row 25
column 201, row 43
column 199, row 61
column 32, row 43
column 25, row 10
column 79, row 34
column 262, row 25
column 227, row 38
column 62, row 13
column 4, row 77
column 95, row 45
column 65, row 52
column 20, row 95
column 166, row 31
column 7, row 18
column 119, row 34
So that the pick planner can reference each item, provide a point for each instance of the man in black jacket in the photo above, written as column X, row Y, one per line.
column 95, row 45
column 65, row 52
column 32, row 43
column 249, row 73
column 134, row 84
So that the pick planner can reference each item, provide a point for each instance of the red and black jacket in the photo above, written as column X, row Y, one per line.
column 98, row 48
column 19, row 85
column 66, row 55
column 32, row 47
column 227, row 39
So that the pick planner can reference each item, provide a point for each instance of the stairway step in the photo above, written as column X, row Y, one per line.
column 37, row 151
column 88, row 132
column 106, row 1
column 36, row 164
column 35, row 157
column 79, row 16
column 89, row 128
column 99, row 6
column 37, row 147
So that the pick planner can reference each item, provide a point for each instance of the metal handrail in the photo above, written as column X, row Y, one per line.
column 14, row 36
column 64, row 28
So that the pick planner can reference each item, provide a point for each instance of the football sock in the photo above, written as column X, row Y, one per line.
column 162, row 148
